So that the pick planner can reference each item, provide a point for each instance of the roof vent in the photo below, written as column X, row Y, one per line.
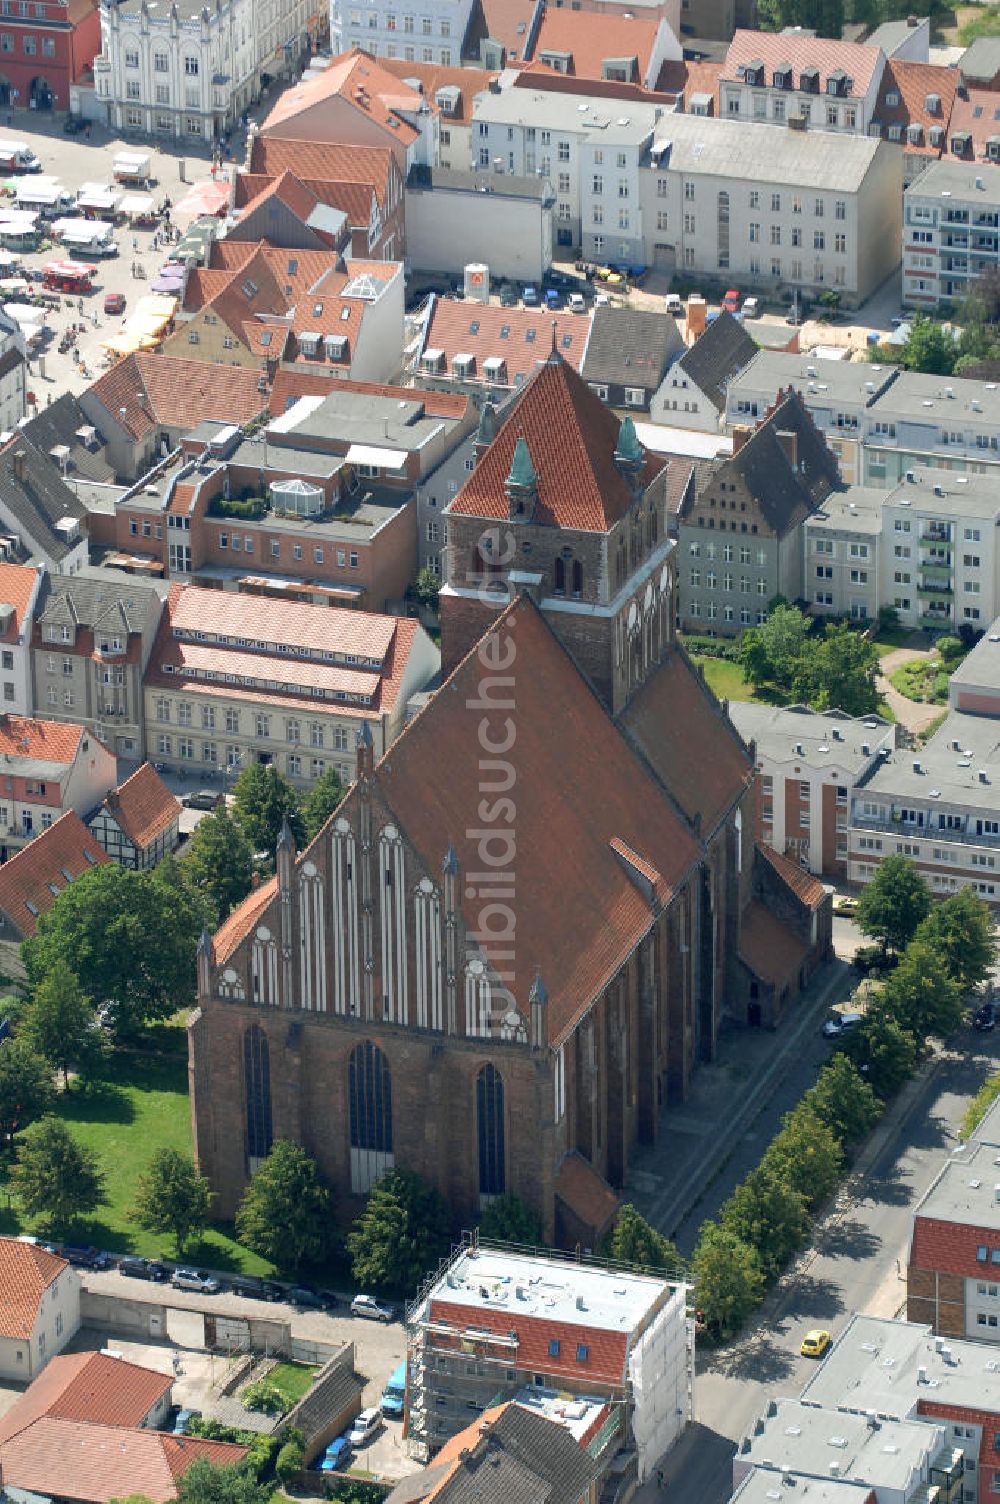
column 917, row 766
column 866, row 750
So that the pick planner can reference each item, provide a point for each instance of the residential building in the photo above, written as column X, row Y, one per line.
column 836, row 393
column 139, row 822
column 901, row 1371
column 953, row 1266
column 935, row 806
column 943, row 570
column 908, row 39
column 145, row 402
column 740, row 533
column 916, row 107
column 63, row 432
column 85, row 1431
column 286, row 214
column 91, row 641
column 450, row 91
column 488, row 351
column 808, row 763
column 519, row 1443
column 47, row 51
column 628, row 354
column 432, row 34
column 854, row 563
column 694, row 391
column 191, row 71
column 48, row 767
column 452, row 214
column 501, row 32
column 236, row 679
column 354, row 101
column 40, row 1310
column 979, row 64
column 40, row 515
column 543, row 1322
column 620, row 48
column 973, row 127
column 753, row 206
column 792, row 76
column 13, row 375
column 975, row 684
column 32, row 879
column 951, row 231
column 20, row 587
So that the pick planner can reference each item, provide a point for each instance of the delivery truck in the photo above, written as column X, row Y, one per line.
column 17, row 156
column 133, row 167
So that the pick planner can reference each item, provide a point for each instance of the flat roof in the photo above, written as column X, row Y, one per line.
column 944, row 491
column 855, row 509
column 763, row 1486
column 982, row 665
column 968, row 182
column 874, row 1364
column 814, row 1439
column 917, row 397
column 690, row 443
column 966, row 1190
column 361, row 418
column 614, row 120
column 779, row 730
column 702, row 145
column 576, row 1412
column 814, row 376
column 577, row 1294
column 947, row 774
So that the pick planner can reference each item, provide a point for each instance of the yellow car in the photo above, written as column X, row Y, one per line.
column 844, row 904
column 815, row 1343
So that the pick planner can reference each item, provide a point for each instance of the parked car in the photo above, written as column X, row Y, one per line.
column 85, row 1257
column 840, row 1023
column 508, row 295
column 255, row 1289
column 372, row 1309
column 201, row 799
column 843, row 903
column 815, row 1343
column 366, row 1425
column 576, row 303
column 73, row 125
column 310, row 1299
column 336, row 1455
column 985, row 1018
column 553, row 298
column 143, row 1269
column 193, row 1279
column 751, row 308
column 183, row 1420
column 530, row 298
column 731, row 301
column 673, row 304
column 114, row 302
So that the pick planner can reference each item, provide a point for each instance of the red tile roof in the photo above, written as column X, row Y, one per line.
column 30, row 875
column 606, row 1351
column 506, row 22
column 807, row 889
column 90, row 1387
column 591, row 39
column 769, row 948
column 243, row 919
column 703, row 78
column 318, row 162
column 17, row 582
column 435, row 76
column 288, row 386
column 586, row 1193
column 914, row 83
column 143, row 806
column 26, row 1271
column 979, row 115
column 159, row 390
column 48, row 741
column 571, row 436
column 526, row 343
column 950, row 1247
column 800, row 50
column 361, row 82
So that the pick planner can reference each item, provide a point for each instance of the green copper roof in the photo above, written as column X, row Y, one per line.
column 629, row 447
column 522, row 471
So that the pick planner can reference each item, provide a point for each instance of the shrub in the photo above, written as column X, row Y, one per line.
column 949, row 647
column 290, row 1462
column 263, row 1396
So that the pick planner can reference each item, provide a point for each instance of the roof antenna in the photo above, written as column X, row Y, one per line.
column 554, row 327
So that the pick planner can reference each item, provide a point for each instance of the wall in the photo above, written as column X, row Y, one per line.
column 446, row 230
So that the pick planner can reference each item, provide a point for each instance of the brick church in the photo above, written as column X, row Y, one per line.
column 500, row 961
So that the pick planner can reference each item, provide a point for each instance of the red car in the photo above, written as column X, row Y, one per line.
column 114, row 302
column 731, row 302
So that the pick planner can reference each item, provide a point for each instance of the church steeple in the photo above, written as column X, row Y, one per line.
column 629, row 455
column 521, row 484
column 487, row 430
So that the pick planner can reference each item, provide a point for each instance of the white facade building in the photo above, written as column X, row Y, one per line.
column 40, row 1310
column 431, row 33
column 190, row 70
column 951, row 231
column 13, row 375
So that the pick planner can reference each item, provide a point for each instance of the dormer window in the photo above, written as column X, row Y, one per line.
column 892, row 99
column 783, row 76
column 809, row 80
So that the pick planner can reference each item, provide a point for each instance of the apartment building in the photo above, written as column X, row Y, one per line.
column 802, row 81
column 91, row 641
column 488, row 351
column 40, row 1311
column 951, row 231
column 549, row 1323
column 975, row 684
column 191, row 70
column 48, row 768
column 808, row 763
column 40, row 516
column 20, row 585
column 431, row 33
column 944, row 565
column 844, row 545
column 13, row 375
column 234, row 680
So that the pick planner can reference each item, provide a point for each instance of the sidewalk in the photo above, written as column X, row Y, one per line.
column 698, row 1136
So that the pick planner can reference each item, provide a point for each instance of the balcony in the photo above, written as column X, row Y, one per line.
column 935, row 620
column 935, row 589
column 936, row 566
column 935, row 532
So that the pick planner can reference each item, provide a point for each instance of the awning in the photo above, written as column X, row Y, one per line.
column 156, row 305
column 128, row 342
column 137, row 203
column 97, row 198
column 368, row 454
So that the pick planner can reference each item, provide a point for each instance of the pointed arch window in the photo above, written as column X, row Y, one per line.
column 577, row 579
column 370, row 1103
column 257, row 1089
column 560, row 574
column 491, row 1131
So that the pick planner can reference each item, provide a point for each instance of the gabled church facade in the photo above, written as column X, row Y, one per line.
column 503, row 956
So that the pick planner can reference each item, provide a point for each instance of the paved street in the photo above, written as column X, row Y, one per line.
column 852, row 1266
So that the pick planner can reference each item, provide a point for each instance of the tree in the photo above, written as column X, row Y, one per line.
column 844, row 1100
column 285, row 1212
column 960, row 931
column 882, row 1050
column 893, row 903
column 403, row 1232
column 320, row 802
column 837, row 671
column 25, row 1087
column 928, row 347
column 56, row 1178
column 728, row 1280
column 171, row 1197
column 204, row 1483
column 980, row 1105
column 921, row 994
column 769, row 653
column 60, row 1023
column 769, row 1216
column 633, row 1241
column 507, row 1219
column 290, row 1462
column 805, row 1156
column 428, row 589
column 219, row 861
column 262, row 801
column 129, row 937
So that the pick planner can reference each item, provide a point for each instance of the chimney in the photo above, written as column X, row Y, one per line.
column 20, row 464
column 741, row 432
column 789, row 441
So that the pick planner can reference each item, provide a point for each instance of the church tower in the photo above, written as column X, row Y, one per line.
column 565, row 504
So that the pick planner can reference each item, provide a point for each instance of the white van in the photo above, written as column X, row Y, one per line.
column 673, row 304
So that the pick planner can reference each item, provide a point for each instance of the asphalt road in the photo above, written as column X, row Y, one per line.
column 851, row 1267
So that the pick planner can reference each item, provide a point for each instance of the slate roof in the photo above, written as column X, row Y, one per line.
column 26, row 1271
column 143, row 807
column 37, row 874
column 719, row 354
column 630, row 346
column 109, row 601
column 785, row 494
column 571, row 435
column 512, row 1456
column 167, row 391
column 980, row 62
column 39, row 500
column 58, row 424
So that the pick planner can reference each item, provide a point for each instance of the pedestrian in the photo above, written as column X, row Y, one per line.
column 659, row 1477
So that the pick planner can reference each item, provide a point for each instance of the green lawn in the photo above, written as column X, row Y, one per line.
column 142, row 1105
column 985, row 24
column 726, row 679
column 293, row 1380
column 924, row 679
